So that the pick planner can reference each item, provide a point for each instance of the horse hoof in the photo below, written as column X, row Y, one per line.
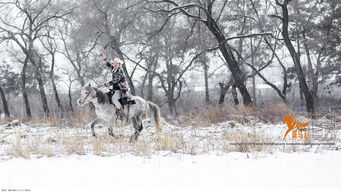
column 94, row 135
column 132, row 140
column 114, row 136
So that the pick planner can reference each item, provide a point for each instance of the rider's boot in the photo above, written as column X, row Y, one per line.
column 120, row 113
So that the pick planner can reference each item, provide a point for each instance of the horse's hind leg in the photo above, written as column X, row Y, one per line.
column 110, row 128
column 137, row 123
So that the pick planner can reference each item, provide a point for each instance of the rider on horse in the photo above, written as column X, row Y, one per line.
column 118, row 84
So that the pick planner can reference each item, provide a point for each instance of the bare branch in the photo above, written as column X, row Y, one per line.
column 262, row 77
column 192, row 61
column 221, row 11
column 163, row 25
column 276, row 16
column 181, row 8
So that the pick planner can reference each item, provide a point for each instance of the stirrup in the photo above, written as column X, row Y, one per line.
column 119, row 114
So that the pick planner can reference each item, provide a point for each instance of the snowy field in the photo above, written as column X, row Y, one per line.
column 231, row 170
column 40, row 157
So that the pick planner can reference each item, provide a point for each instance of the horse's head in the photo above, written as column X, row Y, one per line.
column 88, row 93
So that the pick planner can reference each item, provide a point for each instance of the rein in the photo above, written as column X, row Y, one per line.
column 88, row 96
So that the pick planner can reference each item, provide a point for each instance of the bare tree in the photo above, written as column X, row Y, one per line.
column 264, row 25
column 317, row 40
column 310, row 102
column 70, row 80
column 9, row 81
column 78, row 49
column 36, row 16
column 209, row 15
column 114, row 21
column 151, row 59
column 224, row 87
column 4, row 102
column 50, row 45
column 172, row 54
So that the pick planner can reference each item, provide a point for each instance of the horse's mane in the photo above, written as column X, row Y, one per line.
column 101, row 96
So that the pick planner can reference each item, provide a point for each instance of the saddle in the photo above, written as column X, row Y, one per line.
column 126, row 101
column 123, row 100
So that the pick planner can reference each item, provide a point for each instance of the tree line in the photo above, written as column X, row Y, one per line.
column 48, row 42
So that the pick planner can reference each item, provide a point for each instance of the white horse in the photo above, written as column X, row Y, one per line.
column 107, row 112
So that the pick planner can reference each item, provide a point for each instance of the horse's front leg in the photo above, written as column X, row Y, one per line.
column 93, row 127
column 111, row 124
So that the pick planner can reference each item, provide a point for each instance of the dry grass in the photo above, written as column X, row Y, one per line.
column 191, row 142
column 205, row 115
column 75, row 145
column 79, row 118
column 275, row 113
column 209, row 115
column 142, row 148
column 19, row 149
column 168, row 142
column 188, row 138
column 97, row 146
column 246, row 142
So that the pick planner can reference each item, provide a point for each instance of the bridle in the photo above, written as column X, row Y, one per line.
column 88, row 96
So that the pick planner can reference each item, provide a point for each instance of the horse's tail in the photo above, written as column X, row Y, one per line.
column 154, row 112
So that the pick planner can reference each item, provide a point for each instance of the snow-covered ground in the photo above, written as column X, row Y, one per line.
column 231, row 170
column 40, row 157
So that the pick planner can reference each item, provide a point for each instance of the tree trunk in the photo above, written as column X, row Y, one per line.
column 151, row 76
column 299, row 71
column 226, row 51
column 254, row 76
column 313, row 81
column 80, row 78
column 24, row 90
column 224, row 47
column 54, row 87
column 130, row 81
column 36, row 61
column 142, row 85
column 4, row 102
column 223, row 90
column 56, row 95
column 42, row 94
column 254, row 91
column 235, row 95
column 207, row 94
column 171, row 102
column 150, row 87
column 70, row 99
column 301, row 98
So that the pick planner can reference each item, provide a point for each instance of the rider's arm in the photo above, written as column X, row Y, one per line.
column 117, row 77
column 108, row 63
